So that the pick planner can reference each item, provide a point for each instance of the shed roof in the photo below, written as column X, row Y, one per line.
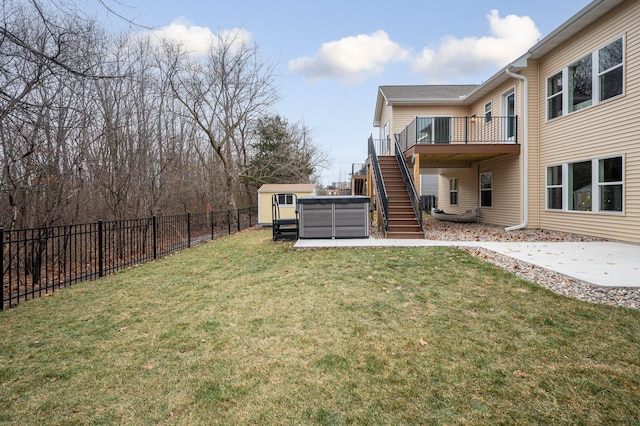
column 287, row 187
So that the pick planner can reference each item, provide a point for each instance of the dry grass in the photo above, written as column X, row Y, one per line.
column 246, row 331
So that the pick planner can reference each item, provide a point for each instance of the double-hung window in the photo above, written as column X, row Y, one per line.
column 487, row 112
column 592, row 79
column 554, row 188
column 554, row 96
column 610, row 70
column 610, row 184
column 486, row 189
column 590, row 186
column 453, row 191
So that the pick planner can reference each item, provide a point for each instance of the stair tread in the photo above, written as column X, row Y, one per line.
column 401, row 216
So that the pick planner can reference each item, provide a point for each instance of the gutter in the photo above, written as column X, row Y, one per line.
column 525, row 155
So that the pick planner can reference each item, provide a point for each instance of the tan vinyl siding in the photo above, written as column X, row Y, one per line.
column 467, row 190
column 505, row 210
column 385, row 117
column 404, row 115
column 507, row 176
column 608, row 128
column 533, row 146
column 495, row 98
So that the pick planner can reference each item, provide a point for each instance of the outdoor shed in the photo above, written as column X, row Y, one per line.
column 287, row 193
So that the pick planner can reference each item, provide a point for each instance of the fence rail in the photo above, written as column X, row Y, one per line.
column 39, row 261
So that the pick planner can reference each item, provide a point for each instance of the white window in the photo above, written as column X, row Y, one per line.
column 285, row 200
column 486, row 189
column 487, row 112
column 580, row 186
column 610, row 61
column 580, row 84
column 592, row 79
column 453, row 191
column 554, row 96
column 610, row 184
column 587, row 186
column 509, row 111
column 554, row 188
column 385, row 131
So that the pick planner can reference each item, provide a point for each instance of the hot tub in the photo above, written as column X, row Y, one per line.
column 334, row 217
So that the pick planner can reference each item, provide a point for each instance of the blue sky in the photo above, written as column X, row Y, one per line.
column 332, row 55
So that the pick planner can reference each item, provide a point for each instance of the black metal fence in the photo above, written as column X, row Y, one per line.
column 37, row 261
column 427, row 202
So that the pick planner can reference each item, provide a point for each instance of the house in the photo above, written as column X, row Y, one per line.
column 551, row 141
column 287, row 197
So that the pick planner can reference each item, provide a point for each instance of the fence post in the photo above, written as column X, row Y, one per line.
column 238, row 213
column 2, row 268
column 188, row 229
column 212, row 226
column 100, row 250
column 154, row 234
column 229, row 221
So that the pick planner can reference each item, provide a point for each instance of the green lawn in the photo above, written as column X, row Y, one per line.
column 243, row 330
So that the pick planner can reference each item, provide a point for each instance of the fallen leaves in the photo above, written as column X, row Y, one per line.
column 521, row 374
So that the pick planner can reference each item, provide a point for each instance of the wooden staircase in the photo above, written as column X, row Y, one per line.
column 402, row 219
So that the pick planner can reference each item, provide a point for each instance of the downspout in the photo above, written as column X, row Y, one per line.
column 525, row 152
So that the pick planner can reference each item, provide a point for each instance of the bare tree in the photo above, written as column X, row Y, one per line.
column 38, row 118
column 221, row 95
column 97, row 128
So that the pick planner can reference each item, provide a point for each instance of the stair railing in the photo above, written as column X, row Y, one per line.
column 381, row 190
column 276, row 221
column 408, row 183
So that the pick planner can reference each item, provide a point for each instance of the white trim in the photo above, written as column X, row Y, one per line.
column 286, row 195
column 481, row 190
column 504, row 108
column 548, row 186
column 595, row 79
column 457, row 191
column 490, row 104
column 524, row 150
column 595, row 186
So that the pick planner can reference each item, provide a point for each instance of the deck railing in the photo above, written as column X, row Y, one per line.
column 409, row 184
column 459, row 130
column 358, row 169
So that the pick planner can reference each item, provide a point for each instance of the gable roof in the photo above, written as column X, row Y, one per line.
column 424, row 95
column 419, row 95
column 287, row 187
column 410, row 94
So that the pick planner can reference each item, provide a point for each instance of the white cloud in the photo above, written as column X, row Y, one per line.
column 351, row 59
column 455, row 58
column 197, row 40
